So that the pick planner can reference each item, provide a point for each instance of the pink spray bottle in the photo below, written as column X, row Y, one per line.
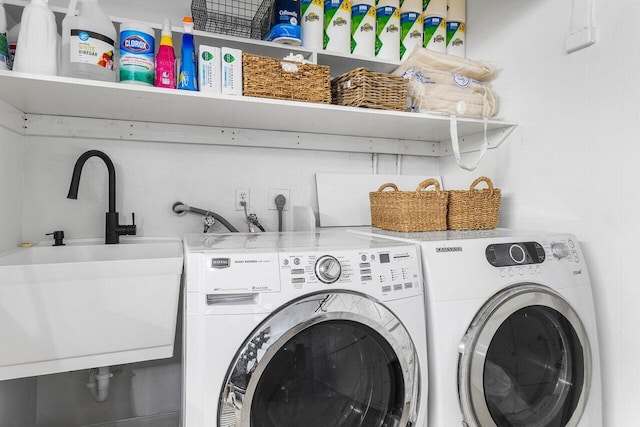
column 166, row 59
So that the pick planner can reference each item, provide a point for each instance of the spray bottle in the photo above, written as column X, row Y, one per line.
column 5, row 61
column 188, row 78
column 166, row 59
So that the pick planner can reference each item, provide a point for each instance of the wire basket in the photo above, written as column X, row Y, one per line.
column 248, row 19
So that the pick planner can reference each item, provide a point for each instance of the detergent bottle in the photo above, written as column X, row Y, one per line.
column 37, row 50
column 187, row 80
column 88, row 42
column 5, row 60
column 12, row 39
column 166, row 59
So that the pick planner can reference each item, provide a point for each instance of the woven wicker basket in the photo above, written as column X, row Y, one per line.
column 364, row 88
column 266, row 77
column 409, row 210
column 474, row 209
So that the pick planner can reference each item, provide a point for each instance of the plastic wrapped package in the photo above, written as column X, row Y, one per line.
column 425, row 58
column 444, row 92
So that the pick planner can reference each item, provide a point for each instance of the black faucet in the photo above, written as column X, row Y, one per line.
column 113, row 229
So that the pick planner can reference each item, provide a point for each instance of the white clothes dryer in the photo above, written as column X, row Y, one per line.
column 511, row 329
column 303, row 329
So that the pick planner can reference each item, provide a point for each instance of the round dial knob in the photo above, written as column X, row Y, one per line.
column 328, row 269
column 559, row 250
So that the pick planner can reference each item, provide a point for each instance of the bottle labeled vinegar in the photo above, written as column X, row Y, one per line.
column 88, row 42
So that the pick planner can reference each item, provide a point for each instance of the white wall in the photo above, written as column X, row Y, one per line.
column 571, row 164
column 11, row 179
column 150, row 177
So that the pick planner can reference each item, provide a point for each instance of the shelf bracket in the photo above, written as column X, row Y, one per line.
column 475, row 142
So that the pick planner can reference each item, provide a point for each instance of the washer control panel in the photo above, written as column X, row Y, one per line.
column 385, row 271
column 510, row 254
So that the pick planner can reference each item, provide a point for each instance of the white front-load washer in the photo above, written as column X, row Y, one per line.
column 511, row 329
column 303, row 329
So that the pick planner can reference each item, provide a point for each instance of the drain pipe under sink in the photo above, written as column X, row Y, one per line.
column 98, row 383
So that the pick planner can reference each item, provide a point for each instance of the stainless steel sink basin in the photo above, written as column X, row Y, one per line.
column 87, row 304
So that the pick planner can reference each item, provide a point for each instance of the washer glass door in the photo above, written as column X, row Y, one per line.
column 331, row 359
column 525, row 361
column 334, row 373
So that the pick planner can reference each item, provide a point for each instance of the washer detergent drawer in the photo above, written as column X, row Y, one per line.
column 233, row 274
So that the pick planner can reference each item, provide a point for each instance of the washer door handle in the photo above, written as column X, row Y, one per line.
column 231, row 298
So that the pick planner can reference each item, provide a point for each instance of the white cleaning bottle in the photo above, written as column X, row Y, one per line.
column 88, row 42
column 37, row 50
column 5, row 60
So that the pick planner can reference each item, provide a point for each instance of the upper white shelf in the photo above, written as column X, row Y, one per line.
column 62, row 96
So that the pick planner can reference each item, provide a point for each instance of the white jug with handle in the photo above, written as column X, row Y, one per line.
column 37, row 50
column 89, row 41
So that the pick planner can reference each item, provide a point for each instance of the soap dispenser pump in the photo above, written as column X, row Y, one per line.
column 58, row 237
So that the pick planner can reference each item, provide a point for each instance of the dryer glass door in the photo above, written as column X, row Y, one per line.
column 331, row 359
column 525, row 361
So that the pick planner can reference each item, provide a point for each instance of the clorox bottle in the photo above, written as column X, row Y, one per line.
column 89, row 40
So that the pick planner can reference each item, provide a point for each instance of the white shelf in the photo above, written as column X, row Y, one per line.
column 62, row 96
column 360, row 129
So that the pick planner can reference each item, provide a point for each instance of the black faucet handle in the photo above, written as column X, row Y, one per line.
column 131, row 229
column 58, row 237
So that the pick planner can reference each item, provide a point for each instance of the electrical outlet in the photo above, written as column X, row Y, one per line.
column 273, row 192
column 242, row 195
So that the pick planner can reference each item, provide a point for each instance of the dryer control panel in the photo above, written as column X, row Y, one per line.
column 509, row 254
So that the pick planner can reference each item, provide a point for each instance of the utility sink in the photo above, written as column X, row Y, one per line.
column 87, row 304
